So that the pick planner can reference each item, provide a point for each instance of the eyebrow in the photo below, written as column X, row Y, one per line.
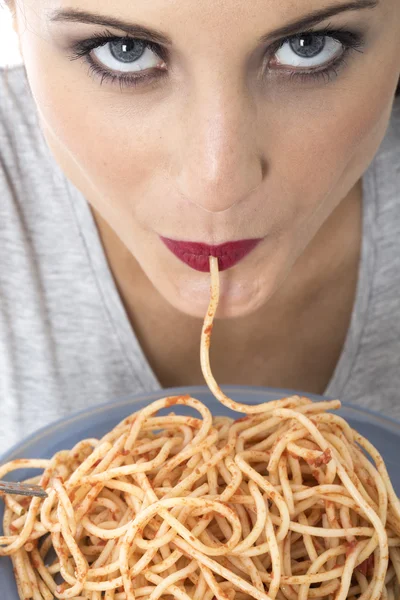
column 306, row 22
column 318, row 16
column 80, row 16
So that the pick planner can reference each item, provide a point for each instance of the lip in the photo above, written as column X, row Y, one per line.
column 197, row 255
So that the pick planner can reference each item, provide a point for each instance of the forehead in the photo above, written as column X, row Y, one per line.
column 203, row 12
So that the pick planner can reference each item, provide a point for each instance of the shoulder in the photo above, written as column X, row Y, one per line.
column 383, row 180
column 23, row 151
column 16, row 102
column 20, row 132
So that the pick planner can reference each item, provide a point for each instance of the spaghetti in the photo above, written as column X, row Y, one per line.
column 282, row 504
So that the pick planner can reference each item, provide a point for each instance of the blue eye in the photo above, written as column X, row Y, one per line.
column 309, row 50
column 126, row 56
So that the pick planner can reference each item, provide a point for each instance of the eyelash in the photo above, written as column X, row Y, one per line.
column 351, row 41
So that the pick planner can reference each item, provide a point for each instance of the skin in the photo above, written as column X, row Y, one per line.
column 214, row 152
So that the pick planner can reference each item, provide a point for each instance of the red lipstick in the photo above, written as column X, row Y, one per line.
column 197, row 256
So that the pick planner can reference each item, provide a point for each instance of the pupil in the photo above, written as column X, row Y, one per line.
column 308, row 46
column 127, row 51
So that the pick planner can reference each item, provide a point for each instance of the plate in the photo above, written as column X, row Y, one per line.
column 95, row 422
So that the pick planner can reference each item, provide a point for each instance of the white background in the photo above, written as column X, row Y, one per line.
column 9, row 54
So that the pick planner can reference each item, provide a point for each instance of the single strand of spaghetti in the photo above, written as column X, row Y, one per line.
column 212, row 477
column 20, row 463
column 187, row 434
column 14, row 505
column 262, row 428
column 309, row 579
column 319, row 407
column 170, row 422
column 345, row 520
column 102, row 533
column 128, row 488
column 321, row 532
column 180, row 575
column 294, row 465
column 286, row 489
column 272, row 541
column 143, row 448
column 103, row 586
column 270, row 491
column 322, row 491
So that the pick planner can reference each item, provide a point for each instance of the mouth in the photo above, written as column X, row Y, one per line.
column 197, row 255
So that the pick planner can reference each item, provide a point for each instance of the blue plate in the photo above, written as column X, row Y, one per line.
column 95, row 422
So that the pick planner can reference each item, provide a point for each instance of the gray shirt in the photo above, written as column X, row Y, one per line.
column 65, row 340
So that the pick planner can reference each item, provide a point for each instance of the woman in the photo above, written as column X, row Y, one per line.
column 141, row 138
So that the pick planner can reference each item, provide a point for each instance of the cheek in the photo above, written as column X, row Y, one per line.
column 328, row 149
column 103, row 139
column 109, row 149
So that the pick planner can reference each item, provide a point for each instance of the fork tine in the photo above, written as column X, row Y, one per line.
column 22, row 489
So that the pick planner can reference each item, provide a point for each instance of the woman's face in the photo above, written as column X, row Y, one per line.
column 213, row 122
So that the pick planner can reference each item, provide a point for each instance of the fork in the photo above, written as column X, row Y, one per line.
column 21, row 489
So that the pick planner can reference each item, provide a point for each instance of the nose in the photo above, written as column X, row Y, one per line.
column 220, row 163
